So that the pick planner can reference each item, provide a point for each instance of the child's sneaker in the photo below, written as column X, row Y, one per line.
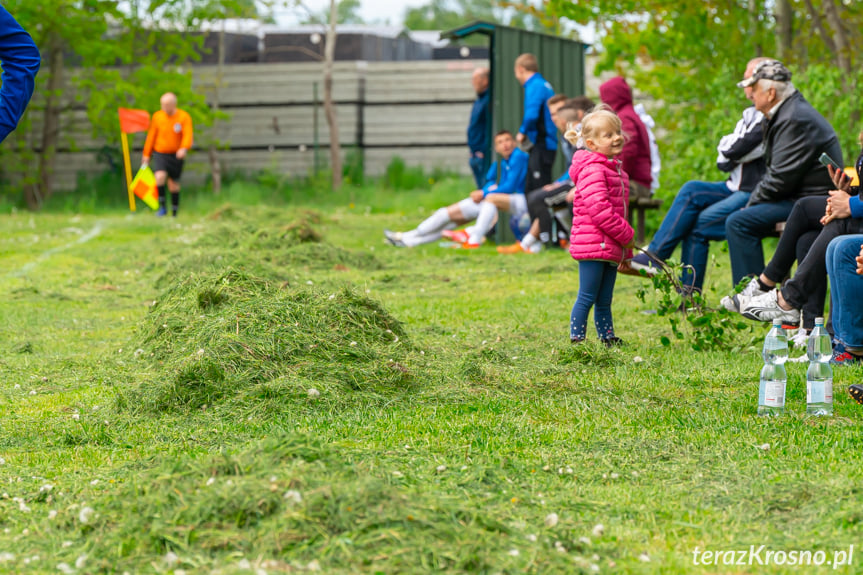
column 610, row 342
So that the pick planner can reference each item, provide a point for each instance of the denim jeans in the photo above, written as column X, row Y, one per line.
column 696, row 217
column 745, row 229
column 479, row 167
column 846, row 288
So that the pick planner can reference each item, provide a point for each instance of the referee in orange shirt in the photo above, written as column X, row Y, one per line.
column 168, row 141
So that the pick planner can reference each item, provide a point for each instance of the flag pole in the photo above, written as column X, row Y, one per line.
column 128, row 166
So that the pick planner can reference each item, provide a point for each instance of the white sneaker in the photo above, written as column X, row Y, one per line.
column 766, row 308
column 736, row 302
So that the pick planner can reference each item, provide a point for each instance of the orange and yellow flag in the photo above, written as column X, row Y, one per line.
column 144, row 186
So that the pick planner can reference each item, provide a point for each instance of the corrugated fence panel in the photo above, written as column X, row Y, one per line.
column 418, row 111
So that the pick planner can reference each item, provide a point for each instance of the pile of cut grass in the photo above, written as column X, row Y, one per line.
column 233, row 336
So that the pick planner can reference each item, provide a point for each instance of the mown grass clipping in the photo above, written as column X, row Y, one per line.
column 228, row 335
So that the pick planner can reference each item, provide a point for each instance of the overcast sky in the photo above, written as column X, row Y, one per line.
column 375, row 11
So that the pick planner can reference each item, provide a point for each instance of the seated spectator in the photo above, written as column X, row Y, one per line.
column 482, row 205
column 636, row 153
column 697, row 215
column 556, row 196
column 795, row 136
column 845, row 268
column 839, row 214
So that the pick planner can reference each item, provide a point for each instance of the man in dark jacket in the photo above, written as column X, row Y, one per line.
column 21, row 60
column 478, row 129
column 537, row 126
column 617, row 94
column 795, row 136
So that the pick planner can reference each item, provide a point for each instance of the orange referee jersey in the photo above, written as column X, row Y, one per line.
column 168, row 134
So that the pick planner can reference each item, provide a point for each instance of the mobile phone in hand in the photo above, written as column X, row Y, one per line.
column 828, row 161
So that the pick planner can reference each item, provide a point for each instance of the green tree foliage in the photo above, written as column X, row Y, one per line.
column 449, row 14
column 347, row 12
column 688, row 54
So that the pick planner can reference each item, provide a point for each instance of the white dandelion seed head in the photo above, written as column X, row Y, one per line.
column 637, row 359
column 644, row 558
column 558, row 546
column 46, row 488
column 353, row 343
column 139, row 352
column 594, row 568
column 76, row 416
column 598, row 530
column 584, row 540
column 211, row 481
column 514, row 553
column 17, row 386
column 81, row 562
column 244, row 564
column 52, row 514
column 551, row 520
column 65, row 569
column 398, row 474
column 171, row 558
column 532, row 537
column 5, row 557
column 332, row 297
column 86, row 514
column 313, row 392
column 94, row 482
column 614, row 475
column 32, row 392
column 66, row 544
column 764, row 447
column 441, row 468
column 293, row 496
column 313, row 565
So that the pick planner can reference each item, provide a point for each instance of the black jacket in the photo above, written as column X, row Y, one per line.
column 795, row 137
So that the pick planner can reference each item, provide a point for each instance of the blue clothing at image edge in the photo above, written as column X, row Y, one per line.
column 537, row 91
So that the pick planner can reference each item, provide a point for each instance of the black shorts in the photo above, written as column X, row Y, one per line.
column 167, row 163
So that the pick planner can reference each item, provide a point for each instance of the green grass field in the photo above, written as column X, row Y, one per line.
column 274, row 390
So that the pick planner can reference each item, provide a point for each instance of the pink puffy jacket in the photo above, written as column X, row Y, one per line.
column 599, row 226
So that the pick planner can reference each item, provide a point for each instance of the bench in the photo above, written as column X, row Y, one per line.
column 640, row 206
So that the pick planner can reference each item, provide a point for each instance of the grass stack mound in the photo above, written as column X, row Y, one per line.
column 228, row 336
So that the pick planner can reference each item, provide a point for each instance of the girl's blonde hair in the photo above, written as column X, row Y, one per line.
column 601, row 116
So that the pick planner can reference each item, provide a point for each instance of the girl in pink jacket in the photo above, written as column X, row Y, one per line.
column 601, row 237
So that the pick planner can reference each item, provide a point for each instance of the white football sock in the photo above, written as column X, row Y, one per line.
column 531, row 244
column 487, row 212
column 412, row 238
column 434, row 223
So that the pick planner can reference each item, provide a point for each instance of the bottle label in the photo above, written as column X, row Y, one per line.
column 774, row 394
column 819, row 391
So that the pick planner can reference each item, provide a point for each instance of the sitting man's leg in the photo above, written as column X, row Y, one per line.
column 709, row 226
column 431, row 228
column 846, row 287
column 810, row 278
column 690, row 201
column 538, row 202
column 515, row 204
column 744, row 231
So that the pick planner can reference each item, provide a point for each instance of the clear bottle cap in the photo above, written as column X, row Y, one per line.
column 777, row 322
column 819, row 321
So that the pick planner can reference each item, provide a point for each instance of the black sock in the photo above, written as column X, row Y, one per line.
column 162, row 191
column 175, row 203
column 763, row 286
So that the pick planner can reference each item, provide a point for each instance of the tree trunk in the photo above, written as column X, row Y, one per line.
column 784, row 15
column 37, row 193
column 215, row 165
column 329, row 107
column 840, row 38
column 754, row 28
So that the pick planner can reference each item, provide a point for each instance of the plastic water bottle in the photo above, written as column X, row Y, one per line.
column 771, row 392
column 819, row 377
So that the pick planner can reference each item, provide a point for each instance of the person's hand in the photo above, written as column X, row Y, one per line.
column 840, row 179
column 181, row 153
column 145, row 161
column 476, row 196
column 624, row 268
column 479, row 155
column 570, row 196
column 860, row 262
column 838, row 207
column 520, row 138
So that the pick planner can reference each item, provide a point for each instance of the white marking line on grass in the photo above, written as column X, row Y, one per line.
column 97, row 229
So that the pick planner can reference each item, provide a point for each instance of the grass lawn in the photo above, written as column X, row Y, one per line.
column 269, row 389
